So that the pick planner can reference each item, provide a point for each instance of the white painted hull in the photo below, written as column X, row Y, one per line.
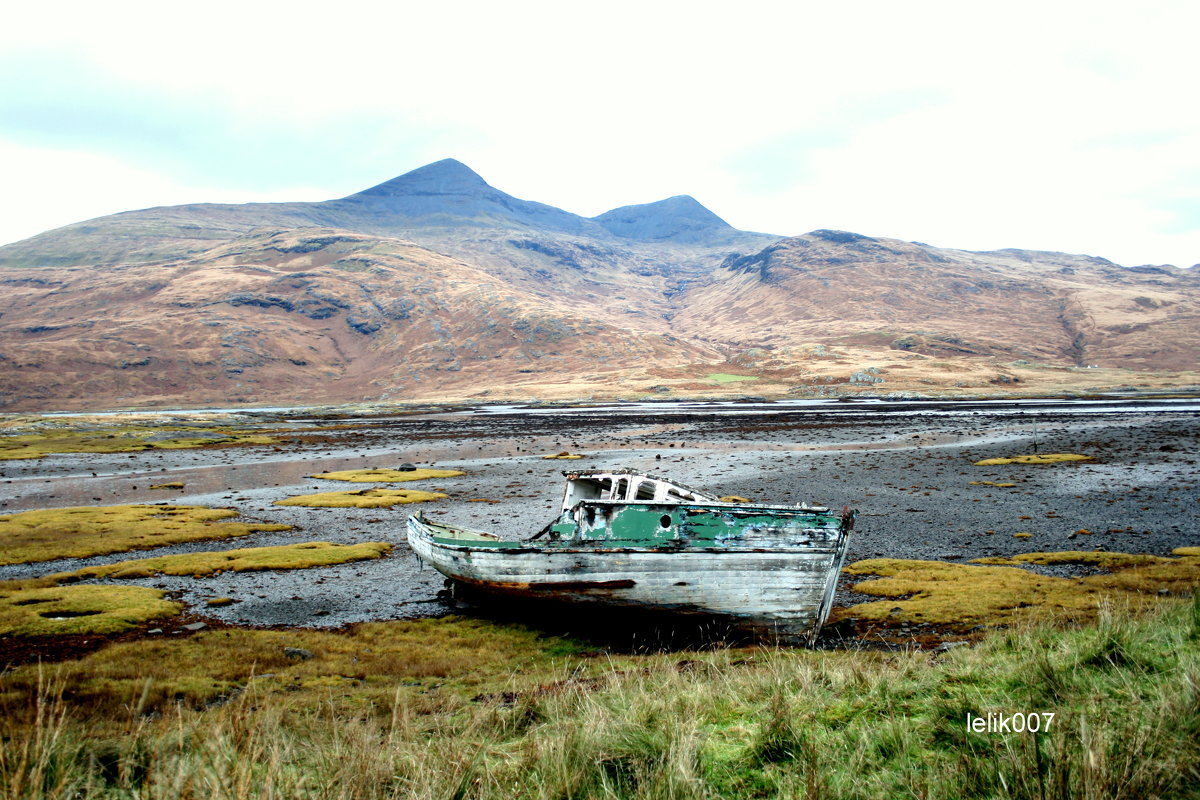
column 782, row 592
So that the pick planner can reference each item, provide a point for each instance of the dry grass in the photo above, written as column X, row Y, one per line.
column 727, row 724
column 86, row 531
column 387, row 475
column 63, row 610
column 1041, row 458
column 291, row 556
column 727, row 377
column 457, row 656
column 961, row 597
column 363, row 498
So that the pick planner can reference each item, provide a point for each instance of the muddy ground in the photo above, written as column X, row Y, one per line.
column 907, row 468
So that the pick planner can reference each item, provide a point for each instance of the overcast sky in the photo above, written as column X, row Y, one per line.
column 1069, row 126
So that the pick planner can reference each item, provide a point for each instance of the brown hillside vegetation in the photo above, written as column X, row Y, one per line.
column 436, row 286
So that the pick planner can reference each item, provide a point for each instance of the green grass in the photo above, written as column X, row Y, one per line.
column 457, row 709
column 725, row 377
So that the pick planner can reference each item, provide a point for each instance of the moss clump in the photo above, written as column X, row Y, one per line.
column 564, row 456
column 388, row 475
column 171, row 485
column 80, row 609
column 733, row 498
column 1000, row 485
column 292, row 556
column 220, row 602
column 962, row 596
column 86, row 531
column 364, row 498
column 1042, row 458
column 1097, row 558
column 1128, row 572
column 121, row 440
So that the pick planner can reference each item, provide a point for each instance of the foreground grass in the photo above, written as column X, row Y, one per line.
column 86, row 531
column 455, row 708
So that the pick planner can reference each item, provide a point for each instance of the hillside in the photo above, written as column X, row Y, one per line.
column 436, row 285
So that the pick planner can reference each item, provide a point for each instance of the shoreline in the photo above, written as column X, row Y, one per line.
column 909, row 475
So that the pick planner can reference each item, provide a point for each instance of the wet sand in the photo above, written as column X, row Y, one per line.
column 906, row 468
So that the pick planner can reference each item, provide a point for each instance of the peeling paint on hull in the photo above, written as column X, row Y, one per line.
column 768, row 569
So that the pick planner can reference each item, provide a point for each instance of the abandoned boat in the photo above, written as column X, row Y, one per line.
column 630, row 539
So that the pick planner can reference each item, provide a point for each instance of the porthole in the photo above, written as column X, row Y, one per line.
column 665, row 521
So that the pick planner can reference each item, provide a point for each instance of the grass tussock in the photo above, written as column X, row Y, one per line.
column 123, row 440
column 563, row 456
column 249, row 559
column 387, row 475
column 1125, row 695
column 363, row 498
column 962, row 597
column 86, row 531
column 998, row 484
column 61, row 610
column 1042, row 458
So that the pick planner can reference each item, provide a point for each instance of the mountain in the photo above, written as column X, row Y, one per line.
column 450, row 193
column 678, row 219
column 436, row 285
column 844, row 288
column 314, row 315
column 444, row 202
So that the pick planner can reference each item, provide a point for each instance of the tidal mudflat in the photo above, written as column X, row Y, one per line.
column 909, row 468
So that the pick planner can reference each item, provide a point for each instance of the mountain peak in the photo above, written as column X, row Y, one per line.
column 680, row 218
column 448, row 176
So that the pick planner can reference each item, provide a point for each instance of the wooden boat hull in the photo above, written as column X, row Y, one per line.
column 781, row 592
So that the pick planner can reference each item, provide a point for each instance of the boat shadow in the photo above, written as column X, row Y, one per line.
column 633, row 630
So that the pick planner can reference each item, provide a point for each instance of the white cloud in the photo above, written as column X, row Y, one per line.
column 1059, row 126
column 48, row 188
